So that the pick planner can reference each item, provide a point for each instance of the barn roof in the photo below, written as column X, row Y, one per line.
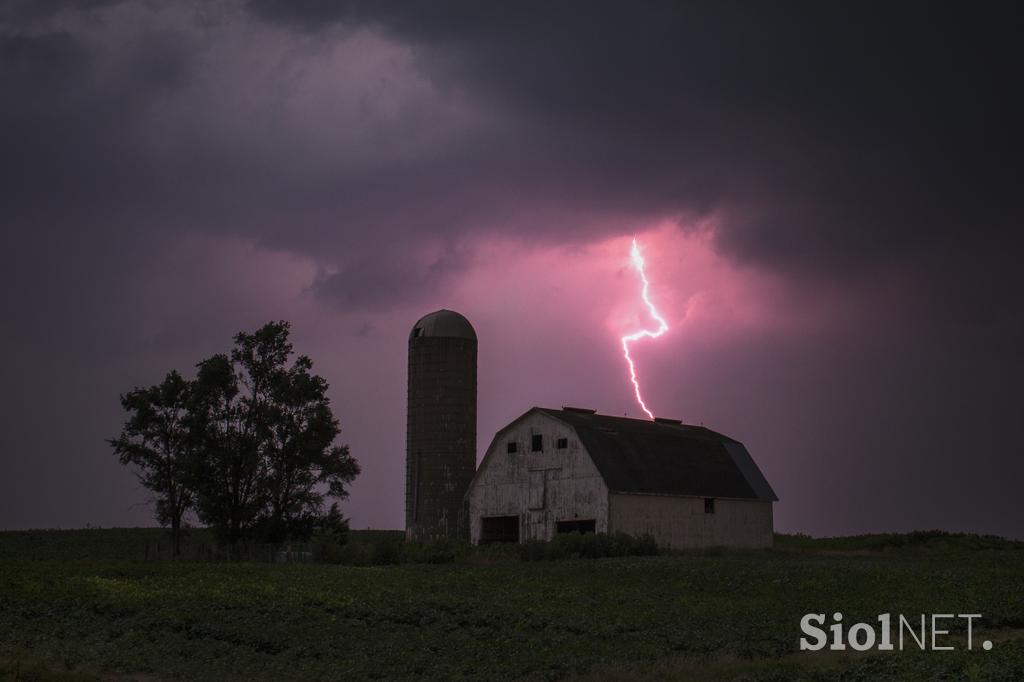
column 665, row 457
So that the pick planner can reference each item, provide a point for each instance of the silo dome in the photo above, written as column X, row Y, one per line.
column 443, row 323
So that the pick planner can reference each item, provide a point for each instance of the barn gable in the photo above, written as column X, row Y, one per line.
column 535, row 480
column 492, row 448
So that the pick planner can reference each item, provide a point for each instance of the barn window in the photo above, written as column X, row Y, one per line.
column 537, row 443
column 709, row 505
column 562, row 443
column 576, row 526
column 513, row 447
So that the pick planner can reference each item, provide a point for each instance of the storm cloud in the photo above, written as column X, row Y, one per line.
column 833, row 189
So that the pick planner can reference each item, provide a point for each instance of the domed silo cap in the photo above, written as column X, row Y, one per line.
column 443, row 323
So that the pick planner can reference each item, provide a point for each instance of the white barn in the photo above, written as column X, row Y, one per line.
column 573, row 470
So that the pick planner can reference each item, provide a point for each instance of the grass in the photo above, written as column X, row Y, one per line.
column 142, row 544
column 27, row 669
column 922, row 541
column 723, row 615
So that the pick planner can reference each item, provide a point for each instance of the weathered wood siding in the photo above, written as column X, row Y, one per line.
column 541, row 487
column 681, row 523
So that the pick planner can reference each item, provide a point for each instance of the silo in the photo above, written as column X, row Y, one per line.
column 441, row 426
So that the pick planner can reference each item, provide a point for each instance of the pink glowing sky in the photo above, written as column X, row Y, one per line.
column 836, row 257
column 549, row 319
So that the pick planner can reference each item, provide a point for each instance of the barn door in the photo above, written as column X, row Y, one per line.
column 538, row 485
column 499, row 529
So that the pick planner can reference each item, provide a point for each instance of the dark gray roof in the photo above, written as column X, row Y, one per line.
column 665, row 457
column 446, row 323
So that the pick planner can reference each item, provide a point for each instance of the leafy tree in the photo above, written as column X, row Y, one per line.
column 269, row 459
column 157, row 439
column 227, row 468
column 300, row 459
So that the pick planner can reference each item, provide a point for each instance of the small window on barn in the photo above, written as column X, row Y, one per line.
column 709, row 505
column 513, row 447
column 537, row 443
column 562, row 443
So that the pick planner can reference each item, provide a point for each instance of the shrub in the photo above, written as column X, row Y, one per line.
column 494, row 552
column 385, row 552
column 440, row 551
column 589, row 546
column 329, row 550
column 389, row 551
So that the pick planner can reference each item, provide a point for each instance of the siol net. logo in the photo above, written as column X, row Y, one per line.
column 931, row 633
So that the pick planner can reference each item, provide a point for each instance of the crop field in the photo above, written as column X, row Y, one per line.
column 730, row 615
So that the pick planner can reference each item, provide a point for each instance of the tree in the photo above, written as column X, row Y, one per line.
column 268, row 457
column 301, row 461
column 157, row 439
column 226, row 471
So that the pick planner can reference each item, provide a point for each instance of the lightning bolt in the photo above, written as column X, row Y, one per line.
column 638, row 263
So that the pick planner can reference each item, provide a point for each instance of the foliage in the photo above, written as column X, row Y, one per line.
column 387, row 551
column 396, row 550
column 588, row 546
column 152, row 544
column 26, row 669
column 730, row 616
column 381, row 547
column 921, row 540
column 249, row 443
column 158, row 441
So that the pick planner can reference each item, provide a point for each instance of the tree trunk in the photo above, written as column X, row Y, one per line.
column 176, row 536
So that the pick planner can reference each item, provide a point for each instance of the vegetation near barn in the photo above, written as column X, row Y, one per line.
column 67, row 600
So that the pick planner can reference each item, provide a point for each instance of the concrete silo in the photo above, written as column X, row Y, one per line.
column 441, row 426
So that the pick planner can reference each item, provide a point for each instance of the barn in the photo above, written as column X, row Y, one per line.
column 573, row 470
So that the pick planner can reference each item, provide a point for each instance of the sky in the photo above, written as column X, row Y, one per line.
column 827, row 196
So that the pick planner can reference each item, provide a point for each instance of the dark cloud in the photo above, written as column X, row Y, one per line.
column 306, row 15
column 836, row 143
column 369, row 284
column 830, row 138
column 71, row 135
column 844, row 135
column 20, row 13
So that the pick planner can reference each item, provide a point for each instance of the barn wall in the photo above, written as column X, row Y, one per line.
column 541, row 487
column 680, row 522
